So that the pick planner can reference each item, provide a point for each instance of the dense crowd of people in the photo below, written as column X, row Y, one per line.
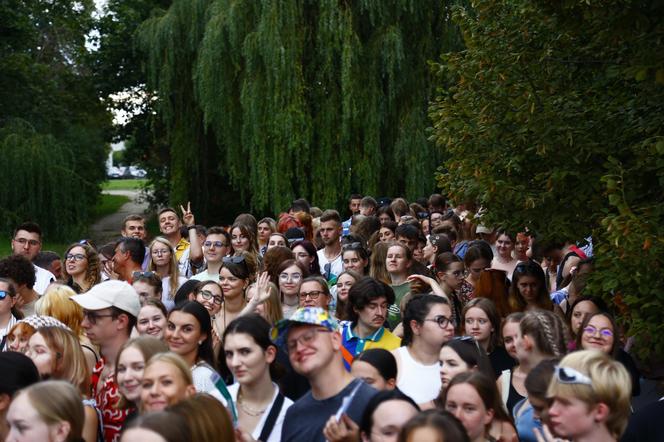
column 404, row 322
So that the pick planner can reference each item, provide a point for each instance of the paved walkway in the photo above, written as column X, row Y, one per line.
column 108, row 228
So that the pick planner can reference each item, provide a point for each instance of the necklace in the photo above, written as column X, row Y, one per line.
column 250, row 411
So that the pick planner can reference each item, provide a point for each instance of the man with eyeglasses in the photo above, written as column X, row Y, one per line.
column 128, row 258
column 110, row 310
column 215, row 247
column 368, row 300
column 27, row 242
column 313, row 343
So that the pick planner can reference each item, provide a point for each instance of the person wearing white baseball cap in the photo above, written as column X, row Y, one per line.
column 110, row 310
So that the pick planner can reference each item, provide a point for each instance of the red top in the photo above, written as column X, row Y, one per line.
column 106, row 395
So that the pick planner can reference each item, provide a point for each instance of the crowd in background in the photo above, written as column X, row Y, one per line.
column 408, row 322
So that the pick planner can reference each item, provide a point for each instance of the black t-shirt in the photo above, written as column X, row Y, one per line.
column 306, row 418
column 646, row 424
column 501, row 360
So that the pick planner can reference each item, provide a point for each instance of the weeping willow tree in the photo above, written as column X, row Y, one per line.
column 40, row 184
column 281, row 99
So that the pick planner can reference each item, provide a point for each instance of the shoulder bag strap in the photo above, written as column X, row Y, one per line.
column 272, row 418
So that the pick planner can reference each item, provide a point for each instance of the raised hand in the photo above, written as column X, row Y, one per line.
column 187, row 216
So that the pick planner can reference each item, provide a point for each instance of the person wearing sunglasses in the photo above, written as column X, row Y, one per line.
column 110, row 309
column 590, row 394
column 8, row 312
column 82, row 268
column 599, row 331
column 234, row 278
column 427, row 325
column 216, row 246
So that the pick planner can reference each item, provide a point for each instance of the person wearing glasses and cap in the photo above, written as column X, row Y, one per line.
column 313, row 343
column 110, row 310
column 590, row 399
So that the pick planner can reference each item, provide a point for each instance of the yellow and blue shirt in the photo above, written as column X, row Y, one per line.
column 353, row 345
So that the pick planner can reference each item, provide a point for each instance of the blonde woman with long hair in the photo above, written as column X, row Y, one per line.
column 56, row 303
column 163, row 262
column 57, row 354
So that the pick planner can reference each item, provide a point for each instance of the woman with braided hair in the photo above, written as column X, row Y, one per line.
column 542, row 335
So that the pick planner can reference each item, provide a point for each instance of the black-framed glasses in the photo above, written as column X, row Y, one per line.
column 566, row 375
column 314, row 294
column 207, row 295
column 30, row 242
column 93, row 316
column 217, row 244
column 442, row 321
column 239, row 259
column 146, row 274
column 74, row 256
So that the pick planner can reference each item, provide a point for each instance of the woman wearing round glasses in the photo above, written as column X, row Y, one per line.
column 291, row 273
column 82, row 268
column 164, row 263
column 427, row 325
column 599, row 331
column 590, row 395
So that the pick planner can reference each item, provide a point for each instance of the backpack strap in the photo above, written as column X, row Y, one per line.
column 272, row 418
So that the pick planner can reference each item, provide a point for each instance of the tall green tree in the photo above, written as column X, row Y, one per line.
column 552, row 118
column 53, row 129
column 298, row 98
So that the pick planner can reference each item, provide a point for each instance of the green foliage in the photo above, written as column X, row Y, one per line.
column 36, row 171
column 259, row 97
column 53, row 128
column 552, row 120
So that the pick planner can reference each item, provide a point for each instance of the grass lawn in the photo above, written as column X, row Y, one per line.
column 108, row 204
column 130, row 184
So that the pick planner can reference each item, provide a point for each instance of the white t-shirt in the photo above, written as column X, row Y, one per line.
column 205, row 276
column 336, row 266
column 275, row 435
column 42, row 279
column 166, row 290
